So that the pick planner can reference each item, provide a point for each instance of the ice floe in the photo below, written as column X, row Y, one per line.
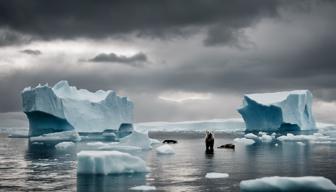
column 109, row 162
column 267, row 184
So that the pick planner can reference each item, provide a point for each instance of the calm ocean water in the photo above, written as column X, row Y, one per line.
column 37, row 168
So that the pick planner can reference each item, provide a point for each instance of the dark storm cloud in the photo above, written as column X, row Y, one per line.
column 49, row 19
column 136, row 60
column 10, row 37
column 295, row 51
column 31, row 52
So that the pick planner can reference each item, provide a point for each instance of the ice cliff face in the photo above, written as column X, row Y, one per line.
column 280, row 111
column 63, row 108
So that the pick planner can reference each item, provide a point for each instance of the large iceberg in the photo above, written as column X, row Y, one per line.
column 280, row 111
column 64, row 107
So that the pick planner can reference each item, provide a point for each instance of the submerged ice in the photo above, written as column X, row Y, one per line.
column 64, row 107
column 280, row 111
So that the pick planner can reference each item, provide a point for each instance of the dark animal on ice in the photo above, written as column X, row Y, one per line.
column 227, row 146
column 170, row 141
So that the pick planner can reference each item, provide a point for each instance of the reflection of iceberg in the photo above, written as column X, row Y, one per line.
column 281, row 111
column 64, row 108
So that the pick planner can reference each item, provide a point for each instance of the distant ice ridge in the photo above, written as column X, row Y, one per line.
column 218, row 125
column 109, row 162
column 280, row 111
column 308, row 183
column 64, row 107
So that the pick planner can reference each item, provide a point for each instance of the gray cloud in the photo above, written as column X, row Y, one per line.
column 291, row 51
column 31, row 52
column 11, row 37
column 136, row 60
column 146, row 18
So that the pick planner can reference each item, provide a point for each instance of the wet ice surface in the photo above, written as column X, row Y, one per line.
column 36, row 168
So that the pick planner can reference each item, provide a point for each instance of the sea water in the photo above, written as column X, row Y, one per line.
column 37, row 167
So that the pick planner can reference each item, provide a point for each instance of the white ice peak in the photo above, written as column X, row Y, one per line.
column 276, row 97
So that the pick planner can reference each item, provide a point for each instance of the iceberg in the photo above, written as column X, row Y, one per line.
column 280, row 111
column 64, row 108
column 308, row 183
column 109, row 162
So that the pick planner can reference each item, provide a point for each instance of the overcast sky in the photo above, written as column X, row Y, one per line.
column 176, row 59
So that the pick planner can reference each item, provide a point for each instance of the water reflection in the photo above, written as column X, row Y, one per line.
column 106, row 183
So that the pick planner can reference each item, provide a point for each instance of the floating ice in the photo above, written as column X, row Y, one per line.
column 309, row 183
column 244, row 141
column 215, row 175
column 109, row 162
column 281, row 111
column 138, row 139
column 64, row 108
column 266, row 138
column 143, row 188
column 58, row 136
column 251, row 136
column 65, row 146
column 165, row 150
column 315, row 138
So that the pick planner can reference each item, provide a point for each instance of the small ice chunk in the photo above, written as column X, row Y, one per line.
column 244, row 141
column 251, row 136
column 308, row 183
column 276, row 145
column 266, row 138
column 143, row 188
column 65, row 146
column 301, row 143
column 109, row 162
column 165, row 150
column 214, row 175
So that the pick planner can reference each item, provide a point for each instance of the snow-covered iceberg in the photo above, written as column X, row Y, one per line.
column 280, row 111
column 64, row 107
column 109, row 162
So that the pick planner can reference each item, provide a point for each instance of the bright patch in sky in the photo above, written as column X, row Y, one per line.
column 180, row 97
